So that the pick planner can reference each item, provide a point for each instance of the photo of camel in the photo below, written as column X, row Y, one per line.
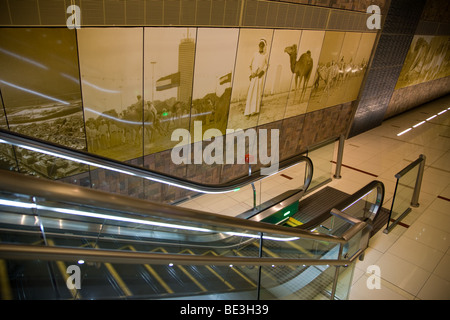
column 338, row 72
column 279, row 77
column 303, row 62
column 427, row 59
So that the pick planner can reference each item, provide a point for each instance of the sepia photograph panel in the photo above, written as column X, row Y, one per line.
column 326, row 85
column 213, row 76
column 428, row 59
column 169, row 56
column 345, row 78
column 111, row 78
column 46, row 103
column 358, row 67
column 304, row 67
column 249, row 77
column 281, row 70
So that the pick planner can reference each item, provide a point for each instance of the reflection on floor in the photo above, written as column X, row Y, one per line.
column 414, row 257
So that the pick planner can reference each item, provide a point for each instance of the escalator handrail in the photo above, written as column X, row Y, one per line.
column 39, row 145
column 59, row 192
column 33, row 252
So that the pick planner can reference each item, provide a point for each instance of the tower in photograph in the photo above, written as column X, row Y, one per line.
column 186, row 55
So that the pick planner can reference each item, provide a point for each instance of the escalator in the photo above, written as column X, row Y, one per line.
column 128, row 248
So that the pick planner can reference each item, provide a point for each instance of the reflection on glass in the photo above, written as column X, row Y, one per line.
column 169, row 55
column 307, row 57
column 249, row 77
column 40, row 84
column 111, row 74
column 7, row 157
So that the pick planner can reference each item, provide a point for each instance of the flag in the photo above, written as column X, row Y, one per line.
column 224, row 79
column 167, row 82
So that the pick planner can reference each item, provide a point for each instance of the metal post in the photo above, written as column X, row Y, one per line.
column 415, row 196
column 336, row 275
column 258, row 293
column 340, row 155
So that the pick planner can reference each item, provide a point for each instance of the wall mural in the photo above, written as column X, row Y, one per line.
column 40, row 87
column 169, row 55
column 139, row 84
column 213, row 76
column 304, row 68
column 111, row 78
column 428, row 59
column 281, row 69
column 250, row 72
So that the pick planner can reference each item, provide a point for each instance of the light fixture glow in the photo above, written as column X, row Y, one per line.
column 399, row 134
column 418, row 124
column 432, row 117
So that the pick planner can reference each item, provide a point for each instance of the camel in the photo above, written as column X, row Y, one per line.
column 301, row 68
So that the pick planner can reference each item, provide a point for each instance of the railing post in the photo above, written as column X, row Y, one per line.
column 340, row 155
column 258, row 292
column 415, row 196
column 336, row 275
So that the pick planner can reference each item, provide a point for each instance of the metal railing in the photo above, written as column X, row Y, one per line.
column 58, row 210
column 407, row 191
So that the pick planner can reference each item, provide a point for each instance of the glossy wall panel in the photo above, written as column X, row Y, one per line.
column 111, row 73
column 169, row 55
column 213, row 76
column 250, row 72
column 39, row 82
column 428, row 59
column 280, row 72
column 305, row 70
column 139, row 84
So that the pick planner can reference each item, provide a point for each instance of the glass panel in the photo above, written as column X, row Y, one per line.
column 344, row 282
column 404, row 192
column 296, row 282
column 322, row 158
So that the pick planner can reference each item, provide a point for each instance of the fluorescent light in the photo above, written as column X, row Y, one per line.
column 432, row 117
column 122, row 219
column 17, row 204
column 442, row 112
column 399, row 134
column 418, row 124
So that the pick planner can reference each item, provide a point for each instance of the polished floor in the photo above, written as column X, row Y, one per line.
column 414, row 257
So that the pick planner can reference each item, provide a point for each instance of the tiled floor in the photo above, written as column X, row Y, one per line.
column 414, row 257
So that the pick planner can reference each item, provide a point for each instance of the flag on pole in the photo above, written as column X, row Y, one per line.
column 224, row 79
column 167, row 82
